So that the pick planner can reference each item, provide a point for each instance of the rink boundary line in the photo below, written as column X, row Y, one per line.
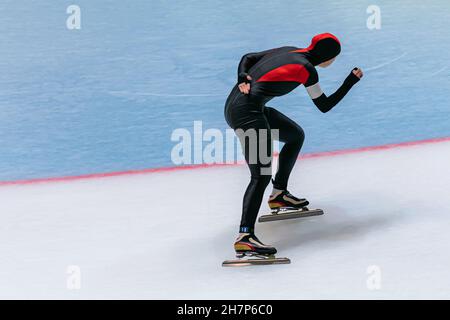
column 215, row 165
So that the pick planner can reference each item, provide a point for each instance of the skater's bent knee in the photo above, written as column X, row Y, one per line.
column 300, row 134
column 297, row 137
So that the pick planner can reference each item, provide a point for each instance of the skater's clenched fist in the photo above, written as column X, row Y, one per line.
column 358, row 72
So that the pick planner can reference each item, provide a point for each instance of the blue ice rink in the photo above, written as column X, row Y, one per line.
column 107, row 97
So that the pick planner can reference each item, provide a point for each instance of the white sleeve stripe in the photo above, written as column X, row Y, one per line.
column 314, row 91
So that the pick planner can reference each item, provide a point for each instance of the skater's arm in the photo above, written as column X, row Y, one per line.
column 247, row 62
column 325, row 103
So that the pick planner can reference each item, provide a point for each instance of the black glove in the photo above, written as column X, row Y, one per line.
column 242, row 78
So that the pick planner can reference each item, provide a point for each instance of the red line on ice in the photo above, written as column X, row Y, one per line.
column 199, row 166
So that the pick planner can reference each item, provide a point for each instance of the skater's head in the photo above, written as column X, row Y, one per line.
column 323, row 49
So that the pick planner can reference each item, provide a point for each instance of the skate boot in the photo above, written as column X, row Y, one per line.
column 282, row 199
column 247, row 244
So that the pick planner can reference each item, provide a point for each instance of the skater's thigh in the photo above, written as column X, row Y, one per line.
column 256, row 141
column 288, row 129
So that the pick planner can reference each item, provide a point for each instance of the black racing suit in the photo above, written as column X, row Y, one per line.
column 274, row 73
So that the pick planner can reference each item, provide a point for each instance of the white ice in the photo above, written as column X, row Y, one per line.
column 165, row 235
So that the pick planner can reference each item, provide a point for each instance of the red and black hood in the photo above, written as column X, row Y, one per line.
column 323, row 47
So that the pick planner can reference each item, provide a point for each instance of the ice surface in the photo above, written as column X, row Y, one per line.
column 165, row 235
column 107, row 97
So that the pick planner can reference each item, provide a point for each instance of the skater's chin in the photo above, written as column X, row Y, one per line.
column 327, row 63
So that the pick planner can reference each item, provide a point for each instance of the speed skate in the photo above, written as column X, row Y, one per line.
column 251, row 251
column 286, row 213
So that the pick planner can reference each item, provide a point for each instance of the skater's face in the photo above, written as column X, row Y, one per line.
column 327, row 63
